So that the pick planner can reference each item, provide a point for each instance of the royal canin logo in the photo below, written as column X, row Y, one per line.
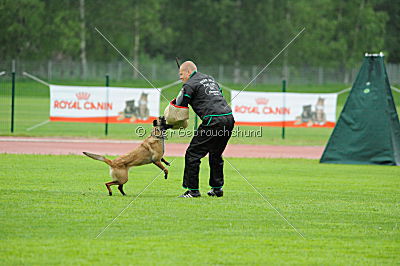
column 82, row 95
column 263, row 101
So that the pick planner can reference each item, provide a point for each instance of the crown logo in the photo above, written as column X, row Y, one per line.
column 262, row 101
column 82, row 95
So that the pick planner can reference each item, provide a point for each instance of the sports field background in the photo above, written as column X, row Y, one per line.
column 53, row 207
column 348, row 214
column 32, row 108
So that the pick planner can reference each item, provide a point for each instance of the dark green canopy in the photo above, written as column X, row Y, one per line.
column 368, row 129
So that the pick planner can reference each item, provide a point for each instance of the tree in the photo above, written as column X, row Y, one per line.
column 20, row 32
column 392, row 29
column 228, row 32
column 83, row 37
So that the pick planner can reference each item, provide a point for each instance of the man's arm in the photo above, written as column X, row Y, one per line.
column 184, row 96
column 182, row 100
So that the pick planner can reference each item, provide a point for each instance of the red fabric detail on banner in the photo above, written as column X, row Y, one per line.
column 111, row 119
column 287, row 124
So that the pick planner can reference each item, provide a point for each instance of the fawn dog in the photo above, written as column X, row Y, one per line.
column 151, row 150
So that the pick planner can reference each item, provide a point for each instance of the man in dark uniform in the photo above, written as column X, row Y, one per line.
column 205, row 96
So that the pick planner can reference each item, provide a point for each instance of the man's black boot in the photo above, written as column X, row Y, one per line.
column 190, row 194
column 215, row 192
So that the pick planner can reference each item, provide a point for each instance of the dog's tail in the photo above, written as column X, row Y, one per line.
column 98, row 157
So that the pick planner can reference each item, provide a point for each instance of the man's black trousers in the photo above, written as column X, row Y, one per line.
column 211, row 139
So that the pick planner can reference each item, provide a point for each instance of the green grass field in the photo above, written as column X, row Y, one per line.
column 53, row 207
column 32, row 108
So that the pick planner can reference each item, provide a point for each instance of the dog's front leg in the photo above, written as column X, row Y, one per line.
column 164, row 161
column 159, row 164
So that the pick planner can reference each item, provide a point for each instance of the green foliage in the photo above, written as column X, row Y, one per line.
column 66, row 24
column 209, row 32
column 20, row 34
column 392, row 28
column 53, row 207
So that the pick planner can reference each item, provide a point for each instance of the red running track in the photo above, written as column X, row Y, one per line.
column 27, row 145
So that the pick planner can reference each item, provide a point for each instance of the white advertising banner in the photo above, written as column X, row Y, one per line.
column 103, row 104
column 289, row 109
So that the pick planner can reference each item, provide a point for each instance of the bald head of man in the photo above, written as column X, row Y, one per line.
column 186, row 69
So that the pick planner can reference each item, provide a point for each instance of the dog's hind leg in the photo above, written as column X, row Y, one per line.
column 164, row 161
column 121, row 189
column 159, row 164
column 109, row 184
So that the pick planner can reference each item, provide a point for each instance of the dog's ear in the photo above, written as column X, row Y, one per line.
column 154, row 123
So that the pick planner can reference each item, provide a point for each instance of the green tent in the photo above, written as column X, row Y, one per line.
column 368, row 129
